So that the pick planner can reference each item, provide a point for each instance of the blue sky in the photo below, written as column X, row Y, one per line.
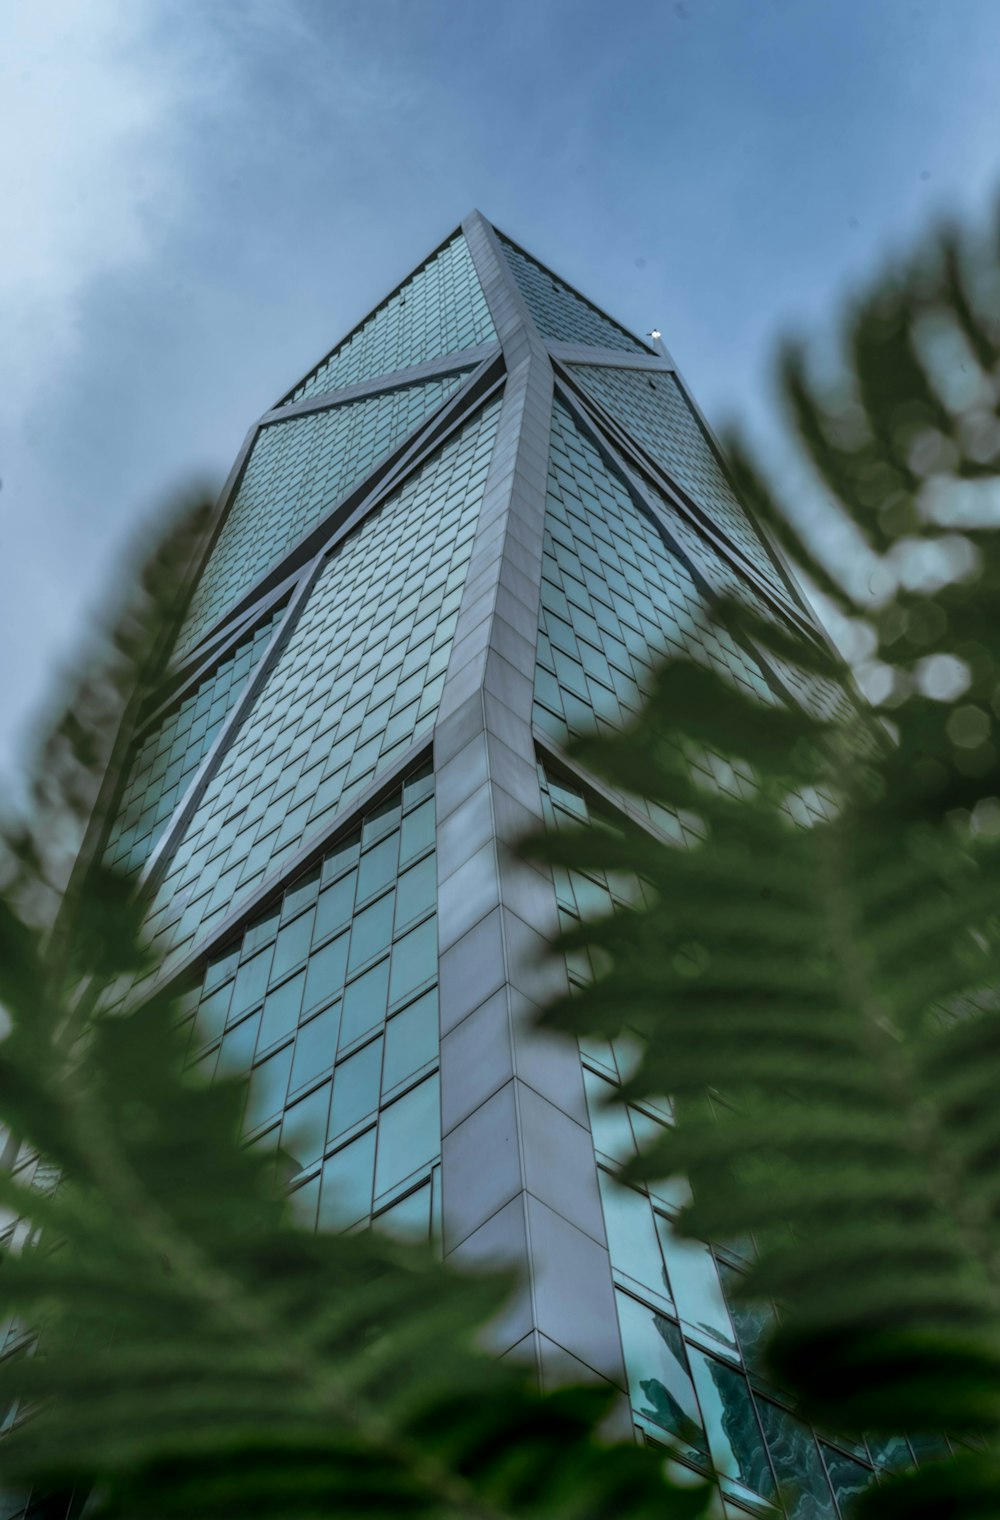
column 203, row 195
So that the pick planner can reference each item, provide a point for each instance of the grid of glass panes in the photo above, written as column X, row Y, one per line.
column 692, row 1349
column 562, row 314
column 816, row 693
column 654, row 410
column 358, row 680
column 329, row 1000
column 169, row 755
column 615, row 601
column 439, row 310
column 297, row 472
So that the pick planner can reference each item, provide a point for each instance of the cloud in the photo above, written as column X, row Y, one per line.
column 83, row 173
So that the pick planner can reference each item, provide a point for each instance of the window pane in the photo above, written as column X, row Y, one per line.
column 304, row 1201
column 418, row 831
column 292, row 945
column 697, row 1293
column 411, row 1040
column 251, row 981
column 371, row 932
column 797, row 1463
column 222, row 967
column 268, row 1086
column 261, row 931
column 754, row 1322
column 325, row 973
column 211, row 1017
column 335, row 906
column 610, row 1125
column 281, row 1010
column 378, row 867
column 409, row 1135
column 316, row 1046
column 355, row 1088
column 848, row 1478
column 303, row 1131
column 346, row 1196
column 343, row 855
column 297, row 897
column 410, row 1218
column 659, row 1382
column 416, row 892
column 238, row 1047
column 632, row 1238
column 414, row 960
column 734, row 1437
column 364, row 1004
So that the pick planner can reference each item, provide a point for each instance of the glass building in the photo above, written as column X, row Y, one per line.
column 468, row 533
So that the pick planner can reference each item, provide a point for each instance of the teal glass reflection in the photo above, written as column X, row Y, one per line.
column 316, row 1046
column 410, row 1218
column 364, row 1004
column 659, row 1381
column 251, row 982
column 371, row 932
column 409, row 1135
column 735, row 1443
column 268, row 1088
column 632, row 1238
column 416, row 893
column 335, row 906
column 417, row 832
column 848, row 1477
column 281, row 1010
column 378, row 867
column 411, row 1041
column 356, row 1085
column 697, row 1291
column 414, row 961
column 797, row 1463
column 303, row 1130
column 609, row 1120
column 325, row 973
column 346, row 1195
column 238, row 1047
column 292, row 945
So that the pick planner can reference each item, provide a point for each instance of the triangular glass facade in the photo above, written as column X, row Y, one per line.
column 439, row 310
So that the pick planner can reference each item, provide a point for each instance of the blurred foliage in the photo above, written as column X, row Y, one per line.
column 817, row 980
column 175, row 1343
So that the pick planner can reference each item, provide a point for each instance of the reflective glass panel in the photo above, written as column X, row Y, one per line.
column 797, row 1463
column 735, row 1443
column 346, row 1195
column 366, row 636
column 438, row 310
column 409, row 1135
column 297, row 472
column 658, row 1377
column 560, row 312
column 356, row 1088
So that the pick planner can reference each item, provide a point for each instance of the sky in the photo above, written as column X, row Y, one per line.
column 203, row 196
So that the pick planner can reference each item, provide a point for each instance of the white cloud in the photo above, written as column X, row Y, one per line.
column 82, row 163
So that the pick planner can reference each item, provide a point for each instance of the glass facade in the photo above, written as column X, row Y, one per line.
column 307, row 912
column 614, row 601
column 439, row 310
column 358, row 681
column 297, row 472
column 559, row 312
column 655, row 411
column 169, row 754
column 328, row 1000
column 691, row 1347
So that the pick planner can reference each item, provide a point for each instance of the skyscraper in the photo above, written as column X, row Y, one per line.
column 469, row 532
